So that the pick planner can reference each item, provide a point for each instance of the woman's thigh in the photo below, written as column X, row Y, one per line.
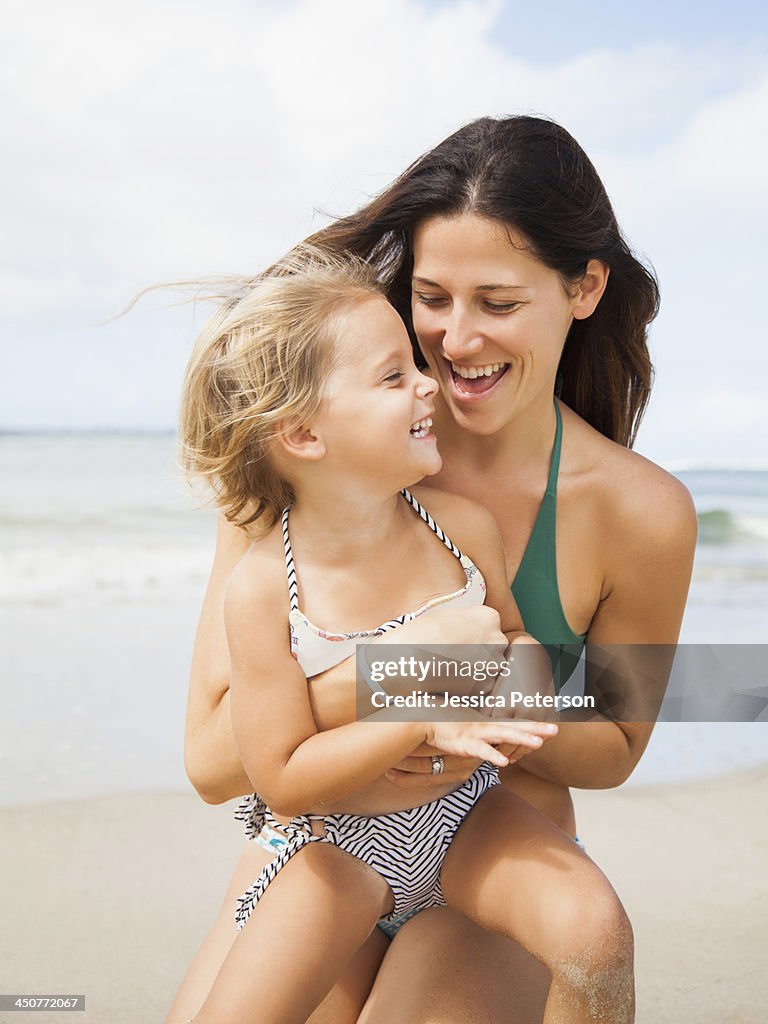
column 341, row 1005
column 512, row 871
column 506, row 861
column 442, row 969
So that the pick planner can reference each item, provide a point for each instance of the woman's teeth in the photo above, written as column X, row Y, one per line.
column 421, row 429
column 476, row 380
column 472, row 372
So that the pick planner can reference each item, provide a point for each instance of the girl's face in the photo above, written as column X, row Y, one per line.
column 491, row 319
column 376, row 414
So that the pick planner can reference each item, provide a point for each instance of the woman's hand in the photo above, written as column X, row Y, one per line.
column 211, row 756
column 415, row 771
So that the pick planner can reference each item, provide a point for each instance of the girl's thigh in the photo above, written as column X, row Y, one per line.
column 341, row 1006
column 305, row 930
column 443, row 969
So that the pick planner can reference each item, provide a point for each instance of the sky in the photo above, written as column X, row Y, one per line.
column 148, row 143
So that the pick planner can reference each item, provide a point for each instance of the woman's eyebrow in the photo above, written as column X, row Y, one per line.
column 497, row 287
column 479, row 288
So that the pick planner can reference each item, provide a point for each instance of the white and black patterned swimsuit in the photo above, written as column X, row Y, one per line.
column 406, row 847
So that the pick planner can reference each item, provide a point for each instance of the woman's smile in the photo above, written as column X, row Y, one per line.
column 472, row 382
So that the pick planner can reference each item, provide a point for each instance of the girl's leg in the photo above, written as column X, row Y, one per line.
column 343, row 1003
column 443, row 968
column 513, row 872
column 305, row 930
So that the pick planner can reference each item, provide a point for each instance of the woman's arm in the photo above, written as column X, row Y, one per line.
column 211, row 757
column 647, row 574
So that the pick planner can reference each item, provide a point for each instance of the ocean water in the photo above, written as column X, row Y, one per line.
column 731, row 568
column 104, row 556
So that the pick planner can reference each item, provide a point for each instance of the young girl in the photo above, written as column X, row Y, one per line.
column 304, row 410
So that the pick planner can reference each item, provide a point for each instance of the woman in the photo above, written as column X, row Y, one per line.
column 502, row 253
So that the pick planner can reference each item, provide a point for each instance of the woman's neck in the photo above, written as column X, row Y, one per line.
column 523, row 444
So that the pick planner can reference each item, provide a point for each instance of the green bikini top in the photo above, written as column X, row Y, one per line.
column 535, row 585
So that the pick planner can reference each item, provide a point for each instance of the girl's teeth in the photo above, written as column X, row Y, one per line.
column 421, row 429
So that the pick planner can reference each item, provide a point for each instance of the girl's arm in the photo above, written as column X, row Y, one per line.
column 292, row 765
column 211, row 755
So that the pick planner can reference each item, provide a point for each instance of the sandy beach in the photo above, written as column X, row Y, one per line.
column 109, row 896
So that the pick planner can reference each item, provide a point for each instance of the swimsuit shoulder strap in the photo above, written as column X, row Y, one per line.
column 535, row 586
column 554, row 463
column 434, row 527
column 290, row 568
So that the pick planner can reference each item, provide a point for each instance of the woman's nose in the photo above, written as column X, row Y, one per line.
column 460, row 339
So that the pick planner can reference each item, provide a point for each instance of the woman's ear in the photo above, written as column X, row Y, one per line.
column 590, row 289
column 301, row 442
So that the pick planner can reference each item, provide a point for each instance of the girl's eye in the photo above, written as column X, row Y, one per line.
column 394, row 378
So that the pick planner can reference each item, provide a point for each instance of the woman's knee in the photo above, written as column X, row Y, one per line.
column 596, row 942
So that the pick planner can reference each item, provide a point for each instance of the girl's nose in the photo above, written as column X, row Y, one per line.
column 425, row 386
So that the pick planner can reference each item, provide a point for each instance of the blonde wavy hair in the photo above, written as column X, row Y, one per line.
column 261, row 362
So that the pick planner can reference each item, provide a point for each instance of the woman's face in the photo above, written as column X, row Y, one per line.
column 490, row 318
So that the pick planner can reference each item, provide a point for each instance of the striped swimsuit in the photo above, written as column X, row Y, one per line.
column 406, row 847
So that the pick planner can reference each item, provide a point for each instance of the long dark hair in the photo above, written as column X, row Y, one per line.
column 531, row 174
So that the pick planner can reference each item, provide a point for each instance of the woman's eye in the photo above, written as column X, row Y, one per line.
column 501, row 307
column 429, row 300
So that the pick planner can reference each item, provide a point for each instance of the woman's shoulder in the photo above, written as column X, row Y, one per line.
column 465, row 521
column 626, row 493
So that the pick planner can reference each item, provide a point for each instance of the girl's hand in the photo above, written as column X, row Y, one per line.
column 481, row 740
column 415, row 771
column 531, row 676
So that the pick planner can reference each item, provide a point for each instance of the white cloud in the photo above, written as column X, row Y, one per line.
column 712, row 173
column 160, row 140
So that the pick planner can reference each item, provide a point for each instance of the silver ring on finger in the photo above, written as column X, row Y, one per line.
column 438, row 765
